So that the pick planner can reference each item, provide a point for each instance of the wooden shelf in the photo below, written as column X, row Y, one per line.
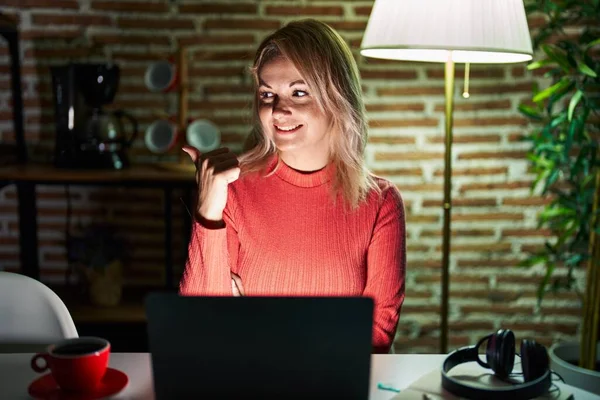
column 129, row 310
column 139, row 173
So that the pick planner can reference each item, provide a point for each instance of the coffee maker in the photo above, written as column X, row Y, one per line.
column 87, row 136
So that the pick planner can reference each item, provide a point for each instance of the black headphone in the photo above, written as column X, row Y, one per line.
column 500, row 356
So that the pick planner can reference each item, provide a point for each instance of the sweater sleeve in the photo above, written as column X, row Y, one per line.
column 386, row 266
column 211, row 255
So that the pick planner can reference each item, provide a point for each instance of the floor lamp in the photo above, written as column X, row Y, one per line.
column 448, row 31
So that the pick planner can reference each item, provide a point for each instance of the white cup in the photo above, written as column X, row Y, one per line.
column 161, row 76
column 203, row 135
column 161, row 136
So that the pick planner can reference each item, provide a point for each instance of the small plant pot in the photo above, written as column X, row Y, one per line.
column 564, row 357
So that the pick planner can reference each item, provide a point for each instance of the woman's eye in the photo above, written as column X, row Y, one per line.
column 266, row 96
column 300, row 93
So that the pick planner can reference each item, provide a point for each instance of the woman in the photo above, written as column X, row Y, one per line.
column 299, row 214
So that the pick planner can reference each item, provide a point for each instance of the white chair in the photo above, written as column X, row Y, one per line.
column 31, row 315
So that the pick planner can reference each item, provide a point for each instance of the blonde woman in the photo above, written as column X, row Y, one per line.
column 299, row 213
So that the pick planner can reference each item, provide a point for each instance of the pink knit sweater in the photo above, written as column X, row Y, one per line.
column 285, row 236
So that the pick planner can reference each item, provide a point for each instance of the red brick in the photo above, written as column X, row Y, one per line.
column 219, row 105
column 254, row 24
column 410, row 91
column 388, row 74
column 456, row 278
column 414, row 156
column 62, row 53
column 475, row 73
column 82, row 20
column 348, row 25
column 488, row 247
column 526, row 232
column 467, row 139
column 459, row 233
column 197, row 39
column 531, row 201
column 231, row 55
column 363, row 10
column 502, row 89
column 398, row 171
column 138, row 56
column 413, row 218
column 392, row 139
column 51, row 34
column 566, row 328
column 403, row 122
column 489, row 121
column 119, row 38
column 60, row 4
column 488, row 263
column 494, row 186
column 496, row 309
column 474, row 171
column 502, row 154
column 155, row 23
column 497, row 216
column 299, row 11
column 457, row 202
column 518, row 72
column 377, row 107
column 477, row 105
column 218, row 8
column 130, row 6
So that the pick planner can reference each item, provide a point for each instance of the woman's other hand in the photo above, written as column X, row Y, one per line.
column 236, row 285
column 214, row 171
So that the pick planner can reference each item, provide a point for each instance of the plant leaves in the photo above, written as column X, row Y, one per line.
column 551, row 90
column 585, row 69
column 530, row 112
column 573, row 103
column 557, row 55
column 539, row 64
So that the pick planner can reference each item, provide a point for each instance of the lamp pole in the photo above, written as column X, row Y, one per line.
column 449, row 93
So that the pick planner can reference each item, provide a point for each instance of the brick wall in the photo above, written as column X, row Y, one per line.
column 494, row 215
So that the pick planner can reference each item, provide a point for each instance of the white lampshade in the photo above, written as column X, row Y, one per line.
column 470, row 31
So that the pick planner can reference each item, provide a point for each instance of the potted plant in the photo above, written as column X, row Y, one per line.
column 96, row 255
column 564, row 156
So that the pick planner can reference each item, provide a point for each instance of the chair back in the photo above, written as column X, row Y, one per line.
column 31, row 315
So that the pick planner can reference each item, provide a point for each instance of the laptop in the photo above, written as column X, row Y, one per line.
column 259, row 347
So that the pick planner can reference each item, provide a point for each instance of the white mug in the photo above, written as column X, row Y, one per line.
column 203, row 135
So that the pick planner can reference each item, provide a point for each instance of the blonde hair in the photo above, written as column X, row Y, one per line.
column 327, row 65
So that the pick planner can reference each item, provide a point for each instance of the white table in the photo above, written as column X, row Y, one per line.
column 398, row 371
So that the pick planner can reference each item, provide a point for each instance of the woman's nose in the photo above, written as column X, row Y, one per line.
column 280, row 108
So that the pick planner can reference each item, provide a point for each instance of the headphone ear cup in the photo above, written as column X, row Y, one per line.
column 500, row 352
column 534, row 360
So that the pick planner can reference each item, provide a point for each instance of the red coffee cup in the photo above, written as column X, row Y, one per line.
column 76, row 364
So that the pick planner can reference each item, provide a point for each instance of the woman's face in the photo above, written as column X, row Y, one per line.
column 291, row 117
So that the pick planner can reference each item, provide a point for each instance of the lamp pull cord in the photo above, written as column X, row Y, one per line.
column 466, row 91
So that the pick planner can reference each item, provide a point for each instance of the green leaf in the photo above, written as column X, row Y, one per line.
column 584, row 69
column 530, row 112
column 573, row 103
column 592, row 43
column 539, row 64
column 534, row 260
column 551, row 90
column 556, row 54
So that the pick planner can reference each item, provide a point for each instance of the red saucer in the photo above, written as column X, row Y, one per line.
column 45, row 388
